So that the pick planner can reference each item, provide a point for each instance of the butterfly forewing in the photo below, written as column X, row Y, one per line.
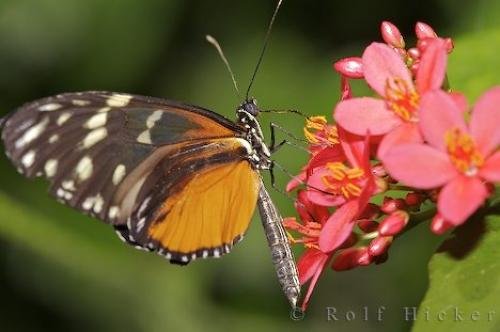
column 88, row 143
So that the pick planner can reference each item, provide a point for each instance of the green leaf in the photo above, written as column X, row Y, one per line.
column 464, row 280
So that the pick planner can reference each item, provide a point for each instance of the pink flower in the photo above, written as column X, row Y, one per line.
column 313, row 261
column 395, row 113
column 337, row 176
column 458, row 157
column 348, row 184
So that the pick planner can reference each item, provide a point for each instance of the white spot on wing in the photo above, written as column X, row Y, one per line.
column 60, row 192
column 69, row 185
column 94, row 137
column 49, row 107
column 153, row 118
column 104, row 110
column 143, row 206
column 63, row 118
column 84, row 168
column 113, row 212
column 80, row 102
column 118, row 100
column 140, row 224
column 88, row 203
column 145, row 137
column 54, row 138
column 51, row 167
column 98, row 203
column 96, row 121
column 32, row 133
column 28, row 159
column 119, row 173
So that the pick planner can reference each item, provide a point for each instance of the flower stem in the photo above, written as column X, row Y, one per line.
column 418, row 218
column 399, row 187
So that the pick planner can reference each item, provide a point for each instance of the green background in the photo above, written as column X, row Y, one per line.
column 60, row 270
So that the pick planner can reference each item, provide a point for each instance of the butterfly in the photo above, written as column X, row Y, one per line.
column 172, row 178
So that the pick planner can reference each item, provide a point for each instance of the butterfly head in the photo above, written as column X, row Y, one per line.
column 249, row 107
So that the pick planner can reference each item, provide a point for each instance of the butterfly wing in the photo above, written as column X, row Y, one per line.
column 87, row 143
column 110, row 154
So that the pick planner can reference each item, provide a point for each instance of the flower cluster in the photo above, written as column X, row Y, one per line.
column 415, row 136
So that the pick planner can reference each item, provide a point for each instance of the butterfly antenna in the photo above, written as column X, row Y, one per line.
column 215, row 44
column 261, row 56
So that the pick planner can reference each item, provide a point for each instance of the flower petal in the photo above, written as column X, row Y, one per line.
column 484, row 121
column 381, row 63
column 353, row 146
column 460, row 198
column 419, row 166
column 338, row 227
column 318, row 192
column 309, row 263
column 325, row 155
column 406, row 133
column 460, row 100
column 439, row 113
column 362, row 115
column 314, row 281
column 308, row 211
column 432, row 66
column 491, row 168
column 296, row 181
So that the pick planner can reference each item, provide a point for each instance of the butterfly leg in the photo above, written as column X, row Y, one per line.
column 273, row 147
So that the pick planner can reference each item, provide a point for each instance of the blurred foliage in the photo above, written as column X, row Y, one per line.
column 63, row 271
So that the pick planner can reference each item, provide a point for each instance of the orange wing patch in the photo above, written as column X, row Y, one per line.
column 209, row 214
column 207, row 127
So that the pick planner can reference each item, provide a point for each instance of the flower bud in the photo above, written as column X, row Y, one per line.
column 449, row 44
column 422, row 44
column 367, row 225
column 381, row 259
column 379, row 170
column 364, row 257
column 391, row 35
column 414, row 199
column 371, row 211
column 424, row 31
column 439, row 225
column 350, row 241
column 379, row 245
column 391, row 205
column 414, row 68
column 394, row 223
column 346, row 259
column 414, row 53
column 350, row 67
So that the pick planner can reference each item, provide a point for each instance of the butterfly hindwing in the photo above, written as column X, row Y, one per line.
column 196, row 201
